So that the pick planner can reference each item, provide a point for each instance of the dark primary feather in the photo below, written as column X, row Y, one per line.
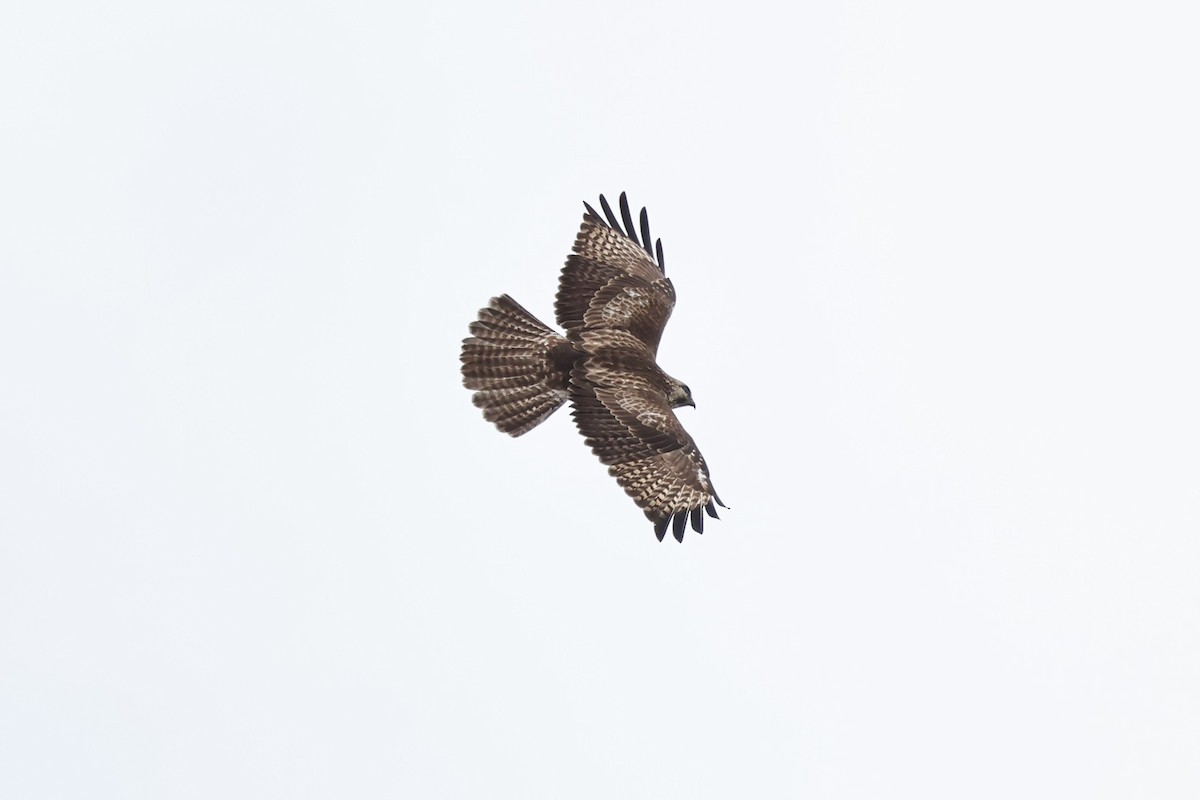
column 627, row 228
column 680, row 525
column 646, row 234
column 660, row 527
column 608, row 212
column 628, row 218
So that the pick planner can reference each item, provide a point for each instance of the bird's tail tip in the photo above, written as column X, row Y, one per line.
column 509, row 362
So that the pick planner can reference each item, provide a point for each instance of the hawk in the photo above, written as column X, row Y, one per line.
column 613, row 301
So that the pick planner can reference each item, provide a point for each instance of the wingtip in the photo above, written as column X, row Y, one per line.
column 627, row 218
column 609, row 215
column 660, row 527
column 625, row 225
column 645, row 223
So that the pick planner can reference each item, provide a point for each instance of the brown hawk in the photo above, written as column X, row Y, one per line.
column 613, row 300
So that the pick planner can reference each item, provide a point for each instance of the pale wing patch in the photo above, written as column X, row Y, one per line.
column 645, row 408
column 663, row 481
column 620, row 310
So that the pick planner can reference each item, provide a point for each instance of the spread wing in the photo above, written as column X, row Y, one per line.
column 621, row 409
column 611, row 280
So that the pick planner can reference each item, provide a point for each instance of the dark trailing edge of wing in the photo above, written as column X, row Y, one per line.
column 660, row 527
column 626, row 228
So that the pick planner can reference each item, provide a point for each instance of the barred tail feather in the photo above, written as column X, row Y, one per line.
column 517, row 366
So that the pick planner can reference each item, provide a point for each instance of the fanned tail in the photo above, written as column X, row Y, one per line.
column 518, row 367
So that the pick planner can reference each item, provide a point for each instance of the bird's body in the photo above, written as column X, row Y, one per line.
column 613, row 300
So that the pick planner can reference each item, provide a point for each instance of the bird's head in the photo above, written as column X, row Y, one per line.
column 679, row 394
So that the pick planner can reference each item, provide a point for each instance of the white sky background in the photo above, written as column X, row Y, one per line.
column 937, row 302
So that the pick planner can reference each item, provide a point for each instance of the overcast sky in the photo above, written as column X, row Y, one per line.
column 936, row 267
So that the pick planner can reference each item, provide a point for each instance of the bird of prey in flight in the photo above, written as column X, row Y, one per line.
column 613, row 301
